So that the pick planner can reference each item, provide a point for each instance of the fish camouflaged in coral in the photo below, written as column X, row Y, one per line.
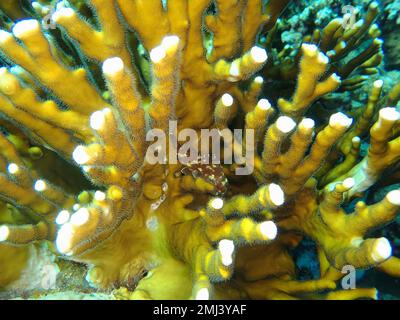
column 84, row 82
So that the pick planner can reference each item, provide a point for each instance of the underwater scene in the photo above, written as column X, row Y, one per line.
column 199, row 150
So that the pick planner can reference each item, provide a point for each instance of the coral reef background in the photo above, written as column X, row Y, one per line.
column 302, row 19
column 85, row 216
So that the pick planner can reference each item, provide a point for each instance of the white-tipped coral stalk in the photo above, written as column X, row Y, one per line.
column 257, row 119
column 12, row 168
column 203, row 294
column 62, row 13
column 227, row 248
column 216, row 203
column 242, row 68
column 268, row 230
column 223, row 111
column 100, row 196
column 227, row 100
column 276, row 194
column 381, row 250
column 378, row 84
column 4, row 233
column 113, row 66
column 389, row 114
column 5, row 36
column 309, row 50
column 299, row 144
column 267, row 197
column 97, row 120
column 264, row 104
column 349, row 183
column 72, row 232
column 40, row 185
column 394, row 197
column 158, row 54
column 259, row 80
column 64, row 238
column 307, row 124
column 25, row 28
column 259, row 55
column 340, row 120
column 170, row 43
column 276, row 135
column 313, row 66
column 63, row 217
column 80, row 217
column 80, row 155
column 285, row 124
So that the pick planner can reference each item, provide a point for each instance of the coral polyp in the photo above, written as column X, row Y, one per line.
column 97, row 100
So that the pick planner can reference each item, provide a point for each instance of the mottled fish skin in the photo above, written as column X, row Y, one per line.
column 212, row 173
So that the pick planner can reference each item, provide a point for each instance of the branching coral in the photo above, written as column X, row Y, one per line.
column 97, row 89
column 340, row 40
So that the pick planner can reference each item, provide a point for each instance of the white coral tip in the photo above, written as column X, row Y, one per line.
column 394, row 197
column 62, row 217
column 259, row 55
column 24, row 27
column 226, row 247
column 99, row 196
column 268, row 229
column 227, row 100
column 378, row 84
column 97, row 120
column 12, row 168
column 80, row 155
column 276, row 194
column 285, row 124
column 323, row 59
column 170, row 42
column 157, row 54
column 307, row 123
column 4, row 36
column 310, row 49
column 349, row 183
column 234, row 70
column 264, row 104
column 389, row 114
column 336, row 78
column 340, row 120
column 112, row 66
column 64, row 238
column 381, row 250
column 40, row 185
column 4, row 233
column 259, row 80
column 356, row 140
column 80, row 217
column 63, row 12
column 217, row 203
column 203, row 294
